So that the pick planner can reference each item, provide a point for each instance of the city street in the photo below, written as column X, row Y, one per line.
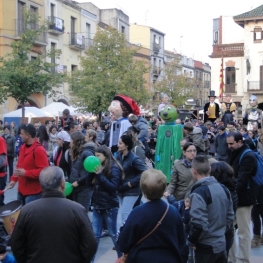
column 107, row 255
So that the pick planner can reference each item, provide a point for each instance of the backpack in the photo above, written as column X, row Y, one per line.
column 258, row 178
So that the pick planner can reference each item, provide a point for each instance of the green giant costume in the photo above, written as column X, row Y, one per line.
column 168, row 141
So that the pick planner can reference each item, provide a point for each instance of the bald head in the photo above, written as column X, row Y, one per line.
column 52, row 178
column 153, row 184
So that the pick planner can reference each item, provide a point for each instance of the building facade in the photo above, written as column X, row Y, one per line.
column 241, row 54
column 11, row 28
column 153, row 40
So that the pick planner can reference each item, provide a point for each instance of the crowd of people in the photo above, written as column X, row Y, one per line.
column 210, row 199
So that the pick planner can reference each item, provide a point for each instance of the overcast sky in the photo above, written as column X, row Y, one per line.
column 187, row 24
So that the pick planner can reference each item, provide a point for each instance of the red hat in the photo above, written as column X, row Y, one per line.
column 129, row 103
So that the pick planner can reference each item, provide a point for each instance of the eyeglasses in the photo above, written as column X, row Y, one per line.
column 191, row 151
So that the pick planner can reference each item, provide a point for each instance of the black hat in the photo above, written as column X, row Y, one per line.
column 212, row 94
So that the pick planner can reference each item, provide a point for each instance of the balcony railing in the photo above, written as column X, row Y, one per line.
column 254, row 86
column 88, row 42
column 41, row 39
column 156, row 70
column 156, row 47
column 230, row 88
column 76, row 41
column 55, row 25
column 228, row 50
column 59, row 69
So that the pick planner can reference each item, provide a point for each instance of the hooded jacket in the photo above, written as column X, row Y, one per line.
column 211, row 215
column 78, row 173
column 33, row 159
column 142, row 127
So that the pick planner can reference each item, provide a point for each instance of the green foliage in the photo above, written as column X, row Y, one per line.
column 108, row 69
column 177, row 86
column 20, row 76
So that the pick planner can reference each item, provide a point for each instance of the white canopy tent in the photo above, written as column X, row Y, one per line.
column 56, row 108
column 30, row 112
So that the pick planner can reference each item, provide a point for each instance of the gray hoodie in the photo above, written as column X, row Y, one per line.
column 211, row 215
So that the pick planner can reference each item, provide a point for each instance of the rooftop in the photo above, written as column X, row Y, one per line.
column 254, row 14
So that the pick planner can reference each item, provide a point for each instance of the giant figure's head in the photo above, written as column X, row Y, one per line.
column 169, row 113
column 253, row 101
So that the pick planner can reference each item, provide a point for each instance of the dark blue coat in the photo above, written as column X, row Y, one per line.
column 78, row 173
column 165, row 244
column 133, row 168
column 105, row 195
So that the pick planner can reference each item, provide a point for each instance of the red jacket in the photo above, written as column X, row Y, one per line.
column 33, row 159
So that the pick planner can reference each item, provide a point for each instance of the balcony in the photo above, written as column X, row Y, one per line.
column 41, row 39
column 76, row 41
column 156, row 47
column 156, row 71
column 255, row 87
column 230, row 88
column 59, row 69
column 55, row 25
column 228, row 50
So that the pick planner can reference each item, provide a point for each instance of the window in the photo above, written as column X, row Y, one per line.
column 33, row 58
column 34, row 10
column 257, row 34
column 72, row 27
column 72, row 24
column 74, row 67
column 230, row 80
column 53, row 58
column 123, row 29
column 52, row 9
column 216, row 42
column 20, row 22
column 88, row 30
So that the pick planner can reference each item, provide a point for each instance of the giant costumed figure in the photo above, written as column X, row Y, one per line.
column 211, row 109
column 168, row 141
column 228, row 108
column 121, row 106
column 253, row 115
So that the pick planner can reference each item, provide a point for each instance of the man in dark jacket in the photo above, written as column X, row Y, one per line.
column 221, row 147
column 246, row 192
column 53, row 228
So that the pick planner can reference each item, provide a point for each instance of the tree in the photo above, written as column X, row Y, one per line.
column 20, row 76
column 108, row 69
column 177, row 86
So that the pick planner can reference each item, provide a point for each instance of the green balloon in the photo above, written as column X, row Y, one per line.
column 68, row 189
column 90, row 164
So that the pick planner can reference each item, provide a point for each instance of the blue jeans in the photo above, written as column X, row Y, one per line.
column 2, row 187
column 83, row 196
column 28, row 198
column 110, row 218
column 127, row 203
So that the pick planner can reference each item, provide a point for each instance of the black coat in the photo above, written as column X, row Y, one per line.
column 243, row 173
column 105, row 195
column 53, row 229
column 133, row 168
column 78, row 173
column 10, row 144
